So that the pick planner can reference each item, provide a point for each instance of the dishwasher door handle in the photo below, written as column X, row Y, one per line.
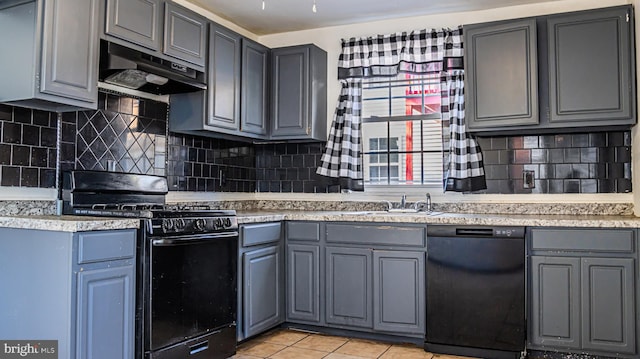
column 488, row 232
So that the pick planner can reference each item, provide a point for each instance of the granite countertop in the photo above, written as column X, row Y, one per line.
column 80, row 224
column 444, row 218
column 67, row 223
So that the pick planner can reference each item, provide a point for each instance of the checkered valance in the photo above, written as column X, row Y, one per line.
column 424, row 51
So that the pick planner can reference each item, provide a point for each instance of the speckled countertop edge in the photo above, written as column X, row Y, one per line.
column 446, row 218
column 67, row 223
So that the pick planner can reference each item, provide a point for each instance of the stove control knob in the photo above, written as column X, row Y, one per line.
column 167, row 225
column 219, row 223
column 200, row 224
column 179, row 224
column 227, row 222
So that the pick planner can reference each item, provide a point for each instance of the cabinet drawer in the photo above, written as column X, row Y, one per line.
column 600, row 240
column 255, row 234
column 376, row 234
column 105, row 246
column 303, row 231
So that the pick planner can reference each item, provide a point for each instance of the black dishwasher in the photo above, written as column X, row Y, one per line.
column 475, row 291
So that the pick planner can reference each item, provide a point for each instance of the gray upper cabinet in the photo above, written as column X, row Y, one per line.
column 502, row 74
column 53, row 62
column 299, row 93
column 555, row 73
column 254, row 100
column 584, row 291
column 237, row 98
column 224, row 79
column 591, row 77
column 399, row 292
column 185, row 35
column 159, row 28
column 349, row 286
column 136, row 21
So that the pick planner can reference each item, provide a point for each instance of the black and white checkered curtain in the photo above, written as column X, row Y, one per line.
column 464, row 169
column 343, row 154
column 418, row 52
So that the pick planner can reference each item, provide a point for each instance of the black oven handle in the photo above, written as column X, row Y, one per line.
column 191, row 239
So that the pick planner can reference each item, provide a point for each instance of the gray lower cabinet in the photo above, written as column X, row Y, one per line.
column 399, row 292
column 299, row 93
column 555, row 301
column 583, row 291
column 53, row 64
column 304, row 296
column 87, row 281
column 349, row 286
column 364, row 277
column 105, row 313
column 375, row 277
column 377, row 289
column 261, row 278
column 608, row 305
column 303, row 283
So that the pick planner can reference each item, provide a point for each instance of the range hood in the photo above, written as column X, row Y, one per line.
column 132, row 69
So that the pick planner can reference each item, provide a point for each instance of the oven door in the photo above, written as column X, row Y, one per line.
column 192, row 287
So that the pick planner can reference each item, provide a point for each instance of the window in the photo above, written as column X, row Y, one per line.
column 402, row 131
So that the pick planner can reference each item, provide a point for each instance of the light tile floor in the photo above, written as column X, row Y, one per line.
column 292, row 344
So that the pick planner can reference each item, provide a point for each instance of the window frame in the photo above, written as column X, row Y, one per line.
column 435, row 116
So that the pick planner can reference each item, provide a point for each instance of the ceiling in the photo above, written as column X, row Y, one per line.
column 291, row 15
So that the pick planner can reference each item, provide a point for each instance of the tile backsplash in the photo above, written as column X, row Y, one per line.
column 212, row 165
column 598, row 162
column 27, row 147
column 291, row 168
column 131, row 135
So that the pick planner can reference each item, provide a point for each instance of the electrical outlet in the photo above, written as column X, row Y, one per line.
column 528, row 178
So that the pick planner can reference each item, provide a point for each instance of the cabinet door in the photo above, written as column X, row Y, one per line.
column 70, row 49
column 399, row 292
column 224, row 78
column 349, row 287
column 502, row 74
column 262, row 284
column 608, row 305
column 290, row 91
column 303, row 283
column 590, row 72
column 105, row 322
column 185, row 35
column 555, row 301
column 136, row 21
column 254, row 100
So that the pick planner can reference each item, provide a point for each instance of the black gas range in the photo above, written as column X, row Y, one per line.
column 186, row 263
